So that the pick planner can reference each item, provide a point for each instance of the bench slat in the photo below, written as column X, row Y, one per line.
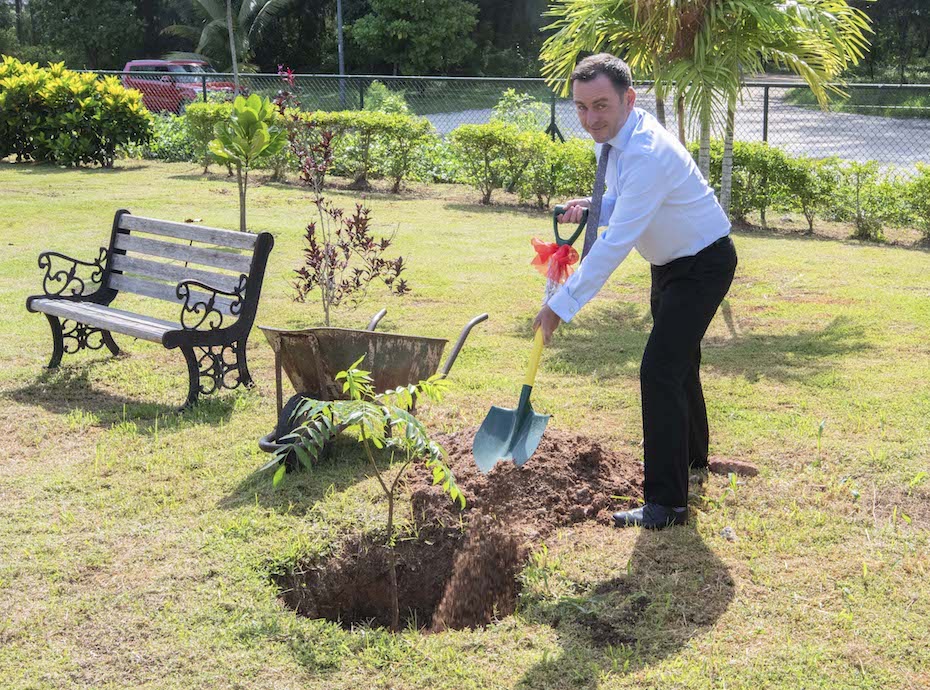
column 182, row 252
column 107, row 318
column 184, row 231
column 148, row 288
column 173, row 273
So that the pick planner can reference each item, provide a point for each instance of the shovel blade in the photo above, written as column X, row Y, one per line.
column 508, row 435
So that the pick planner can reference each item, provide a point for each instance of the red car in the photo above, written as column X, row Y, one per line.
column 172, row 84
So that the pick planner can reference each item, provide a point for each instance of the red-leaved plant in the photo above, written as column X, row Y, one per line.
column 342, row 256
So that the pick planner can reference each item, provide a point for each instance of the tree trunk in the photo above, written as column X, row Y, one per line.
column 232, row 46
column 660, row 109
column 681, row 121
column 19, row 22
column 726, row 173
column 704, row 151
column 243, row 187
column 392, row 565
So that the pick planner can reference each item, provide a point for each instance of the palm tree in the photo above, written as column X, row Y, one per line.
column 699, row 49
column 230, row 28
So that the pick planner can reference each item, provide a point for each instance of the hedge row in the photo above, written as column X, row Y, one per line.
column 398, row 147
column 58, row 116
column 765, row 178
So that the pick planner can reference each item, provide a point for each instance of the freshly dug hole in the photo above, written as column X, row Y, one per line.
column 447, row 579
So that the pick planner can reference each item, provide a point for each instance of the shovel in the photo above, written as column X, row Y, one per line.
column 515, row 434
column 512, row 434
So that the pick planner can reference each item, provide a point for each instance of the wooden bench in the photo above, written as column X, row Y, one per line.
column 153, row 259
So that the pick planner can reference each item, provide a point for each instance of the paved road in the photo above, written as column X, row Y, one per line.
column 893, row 142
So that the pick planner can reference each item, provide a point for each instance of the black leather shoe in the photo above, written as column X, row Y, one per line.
column 650, row 516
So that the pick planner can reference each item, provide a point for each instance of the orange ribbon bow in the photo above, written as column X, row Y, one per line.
column 554, row 261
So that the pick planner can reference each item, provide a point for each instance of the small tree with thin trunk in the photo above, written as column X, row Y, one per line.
column 248, row 135
column 387, row 431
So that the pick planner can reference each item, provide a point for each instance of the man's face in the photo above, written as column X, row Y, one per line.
column 601, row 110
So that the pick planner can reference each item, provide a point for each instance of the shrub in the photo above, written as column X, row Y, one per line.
column 402, row 141
column 171, row 141
column 202, row 119
column 486, row 153
column 563, row 170
column 380, row 98
column 918, row 196
column 810, row 186
column 438, row 163
column 55, row 115
column 759, row 176
column 522, row 111
column 858, row 183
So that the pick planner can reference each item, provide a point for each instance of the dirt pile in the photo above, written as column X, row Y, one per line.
column 569, row 479
column 450, row 579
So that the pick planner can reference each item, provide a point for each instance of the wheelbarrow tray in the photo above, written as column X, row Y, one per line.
column 312, row 357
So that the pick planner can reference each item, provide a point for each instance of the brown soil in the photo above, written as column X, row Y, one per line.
column 448, row 579
column 569, row 479
column 727, row 465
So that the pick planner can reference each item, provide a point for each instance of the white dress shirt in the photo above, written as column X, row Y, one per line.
column 657, row 201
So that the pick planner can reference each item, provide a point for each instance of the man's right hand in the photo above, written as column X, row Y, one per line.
column 573, row 210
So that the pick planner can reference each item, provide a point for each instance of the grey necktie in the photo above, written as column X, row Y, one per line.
column 594, row 213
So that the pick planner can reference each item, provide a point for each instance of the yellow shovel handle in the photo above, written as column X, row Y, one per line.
column 534, row 359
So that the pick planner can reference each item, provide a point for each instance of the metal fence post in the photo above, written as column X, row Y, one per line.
column 203, row 82
column 765, row 115
column 361, row 94
column 553, row 129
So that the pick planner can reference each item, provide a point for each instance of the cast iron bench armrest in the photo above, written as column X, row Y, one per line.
column 199, row 311
column 68, row 277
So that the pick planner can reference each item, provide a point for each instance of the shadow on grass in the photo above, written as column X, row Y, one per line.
column 499, row 208
column 69, row 388
column 610, row 342
column 344, row 466
column 674, row 588
column 32, row 167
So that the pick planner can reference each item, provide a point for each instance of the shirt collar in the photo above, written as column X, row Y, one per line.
column 622, row 138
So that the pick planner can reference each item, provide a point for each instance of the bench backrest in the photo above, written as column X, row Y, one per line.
column 150, row 257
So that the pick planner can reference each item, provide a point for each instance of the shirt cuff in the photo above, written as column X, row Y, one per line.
column 564, row 305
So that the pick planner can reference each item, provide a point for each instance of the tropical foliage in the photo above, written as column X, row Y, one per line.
column 248, row 135
column 59, row 116
column 701, row 49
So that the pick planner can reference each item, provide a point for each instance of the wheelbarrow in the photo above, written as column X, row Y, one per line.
column 311, row 358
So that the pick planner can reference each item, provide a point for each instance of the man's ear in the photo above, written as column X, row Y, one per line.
column 630, row 97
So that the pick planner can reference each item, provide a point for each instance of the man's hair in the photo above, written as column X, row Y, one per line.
column 609, row 65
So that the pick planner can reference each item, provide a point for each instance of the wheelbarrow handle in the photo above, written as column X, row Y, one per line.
column 559, row 240
column 375, row 319
column 450, row 360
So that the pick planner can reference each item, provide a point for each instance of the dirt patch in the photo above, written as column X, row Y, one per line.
column 569, row 479
column 352, row 587
column 725, row 466
column 461, row 569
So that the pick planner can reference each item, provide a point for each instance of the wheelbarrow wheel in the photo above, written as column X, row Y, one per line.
column 286, row 425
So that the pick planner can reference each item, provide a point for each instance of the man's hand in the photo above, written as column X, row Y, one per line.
column 548, row 321
column 573, row 210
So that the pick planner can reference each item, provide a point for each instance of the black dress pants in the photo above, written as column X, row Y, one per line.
column 685, row 296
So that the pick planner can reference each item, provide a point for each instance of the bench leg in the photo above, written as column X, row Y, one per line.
column 58, row 341
column 214, row 365
column 245, row 378
column 193, row 378
column 110, row 343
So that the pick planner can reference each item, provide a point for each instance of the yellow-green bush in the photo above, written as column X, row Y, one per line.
column 53, row 114
column 202, row 119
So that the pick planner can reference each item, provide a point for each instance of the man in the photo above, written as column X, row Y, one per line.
column 658, row 202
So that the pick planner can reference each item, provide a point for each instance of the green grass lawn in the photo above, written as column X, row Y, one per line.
column 136, row 544
column 898, row 102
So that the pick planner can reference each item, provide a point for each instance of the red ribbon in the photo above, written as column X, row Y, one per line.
column 554, row 261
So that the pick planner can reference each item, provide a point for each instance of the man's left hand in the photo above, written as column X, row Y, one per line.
column 548, row 321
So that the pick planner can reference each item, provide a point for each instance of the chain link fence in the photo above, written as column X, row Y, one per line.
column 886, row 123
